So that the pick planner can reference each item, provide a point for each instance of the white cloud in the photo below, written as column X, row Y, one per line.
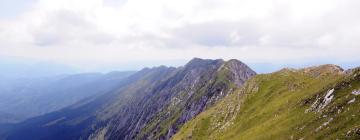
column 79, row 32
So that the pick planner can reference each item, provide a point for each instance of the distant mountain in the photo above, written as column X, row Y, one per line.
column 151, row 104
column 22, row 98
column 319, row 102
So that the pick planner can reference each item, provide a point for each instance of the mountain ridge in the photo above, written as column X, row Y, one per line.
column 310, row 103
column 124, row 112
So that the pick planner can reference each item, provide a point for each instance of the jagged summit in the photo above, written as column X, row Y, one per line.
column 237, row 71
column 233, row 69
column 198, row 62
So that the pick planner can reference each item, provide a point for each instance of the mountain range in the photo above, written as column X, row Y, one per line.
column 204, row 99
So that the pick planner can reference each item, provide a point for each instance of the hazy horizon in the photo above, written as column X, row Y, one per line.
column 39, row 69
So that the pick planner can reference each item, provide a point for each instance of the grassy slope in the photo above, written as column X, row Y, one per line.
column 278, row 106
column 162, row 126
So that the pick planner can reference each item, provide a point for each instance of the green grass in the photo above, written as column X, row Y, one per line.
column 273, row 106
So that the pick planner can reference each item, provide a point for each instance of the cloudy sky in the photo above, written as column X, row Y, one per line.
column 130, row 34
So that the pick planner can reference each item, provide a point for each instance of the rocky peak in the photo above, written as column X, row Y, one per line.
column 237, row 65
column 198, row 62
column 238, row 72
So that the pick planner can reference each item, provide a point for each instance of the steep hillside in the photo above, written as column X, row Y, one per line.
column 312, row 103
column 152, row 104
column 157, row 113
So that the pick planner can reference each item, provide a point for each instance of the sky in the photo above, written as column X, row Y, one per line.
column 104, row 35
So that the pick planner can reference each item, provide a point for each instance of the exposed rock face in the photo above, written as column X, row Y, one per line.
column 177, row 99
column 239, row 72
column 152, row 104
